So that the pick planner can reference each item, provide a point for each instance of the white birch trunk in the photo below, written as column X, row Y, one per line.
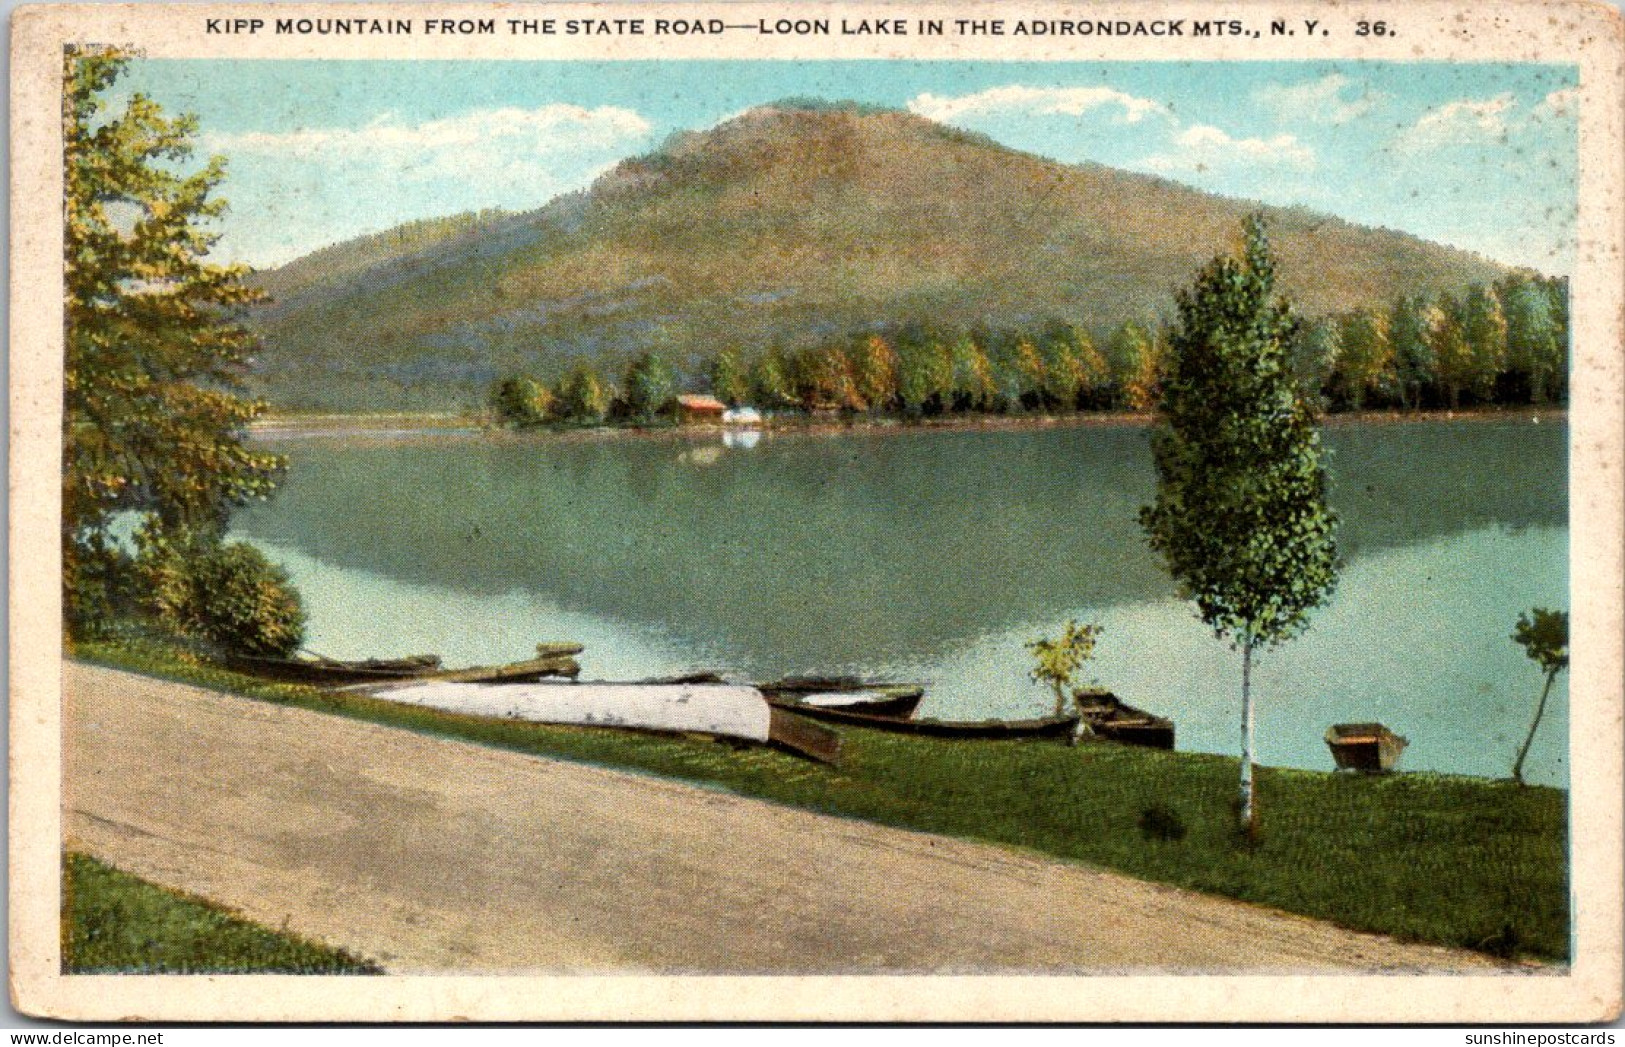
column 1247, row 809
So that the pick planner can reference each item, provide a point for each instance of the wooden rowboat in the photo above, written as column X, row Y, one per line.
column 316, row 669
column 1368, row 747
column 514, row 672
column 332, row 672
column 1049, row 727
column 893, row 701
column 1110, row 718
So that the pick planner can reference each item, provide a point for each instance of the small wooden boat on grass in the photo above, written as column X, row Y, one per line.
column 1368, row 747
column 1048, row 727
column 316, row 669
column 1111, row 718
column 332, row 672
column 844, row 694
column 530, row 671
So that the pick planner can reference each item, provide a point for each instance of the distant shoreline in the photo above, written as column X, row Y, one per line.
column 395, row 427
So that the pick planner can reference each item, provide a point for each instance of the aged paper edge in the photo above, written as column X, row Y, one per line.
column 1576, row 32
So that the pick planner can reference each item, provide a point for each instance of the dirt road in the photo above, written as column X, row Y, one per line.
column 429, row 855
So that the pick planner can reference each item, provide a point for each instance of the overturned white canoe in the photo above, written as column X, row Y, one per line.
column 722, row 709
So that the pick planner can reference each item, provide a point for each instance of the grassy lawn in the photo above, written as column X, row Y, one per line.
column 1450, row 860
column 113, row 923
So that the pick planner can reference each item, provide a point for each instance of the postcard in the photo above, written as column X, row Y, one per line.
column 952, row 512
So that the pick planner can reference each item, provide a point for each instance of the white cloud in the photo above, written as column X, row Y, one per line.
column 1563, row 104
column 1202, row 148
column 1464, row 122
column 1037, row 101
column 508, row 142
column 1322, row 101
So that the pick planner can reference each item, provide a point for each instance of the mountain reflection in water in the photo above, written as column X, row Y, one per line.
column 934, row 555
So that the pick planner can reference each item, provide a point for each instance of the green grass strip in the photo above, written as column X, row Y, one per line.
column 1449, row 860
column 114, row 923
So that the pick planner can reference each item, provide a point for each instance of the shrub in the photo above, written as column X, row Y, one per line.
column 227, row 595
column 521, row 402
column 96, row 589
column 246, row 604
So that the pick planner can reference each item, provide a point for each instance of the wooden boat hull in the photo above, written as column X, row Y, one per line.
column 531, row 671
column 1157, row 733
column 1051, row 727
column 1110, row 718
column 332, row 672
column 793, row 734
column 1367, row 747
column 895, row 702
column 329, row 672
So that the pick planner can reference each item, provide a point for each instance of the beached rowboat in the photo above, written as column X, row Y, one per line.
column 316, row 669
column 1368, row 747
column 332, row 672
column 1049, row 727
column 1110, row 718
column 894, row 701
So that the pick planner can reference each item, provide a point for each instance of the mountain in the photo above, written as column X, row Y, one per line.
column 786, row 225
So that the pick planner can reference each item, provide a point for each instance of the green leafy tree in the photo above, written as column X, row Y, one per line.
column 1557, row 290
column 1062, row 378
column 1314, row 356
column 1058, row 661
column 1533, row 351
column 925, row 372
column 770, row 382
column 1484, row 328
column 1544, row 637
column 154, row 417
column 973, row 387
column 1137, row 359
column 583, row 396
column 650, row 386
column 824, row 380
column 874, row 372
column 1448, row 346
column 1018, row 372
column 1240, row 515
column 1095, row 385
column 522, row 402
column 729, row 380
column 1365, row 359
column 1410, row 320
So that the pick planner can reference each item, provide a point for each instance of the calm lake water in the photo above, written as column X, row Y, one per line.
column 934, row 556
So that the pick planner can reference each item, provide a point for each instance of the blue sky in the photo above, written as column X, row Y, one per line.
column 1481, row 157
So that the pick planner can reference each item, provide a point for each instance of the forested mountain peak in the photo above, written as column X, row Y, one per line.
column 785, row 225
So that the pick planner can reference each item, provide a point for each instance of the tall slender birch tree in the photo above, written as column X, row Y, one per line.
column 1240, row 515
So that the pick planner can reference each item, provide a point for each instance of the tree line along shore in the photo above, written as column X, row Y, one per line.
column 1500, row 344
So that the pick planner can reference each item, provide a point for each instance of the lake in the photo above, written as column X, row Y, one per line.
column 934, row 556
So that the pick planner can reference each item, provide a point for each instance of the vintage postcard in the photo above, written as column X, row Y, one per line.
column 817, row 512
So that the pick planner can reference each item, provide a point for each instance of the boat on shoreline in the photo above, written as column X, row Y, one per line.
column 729, row 712
column 816, row 696
column 1368, row 747
column 1109, row 717
column 318, row 670
column 1047, row 727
